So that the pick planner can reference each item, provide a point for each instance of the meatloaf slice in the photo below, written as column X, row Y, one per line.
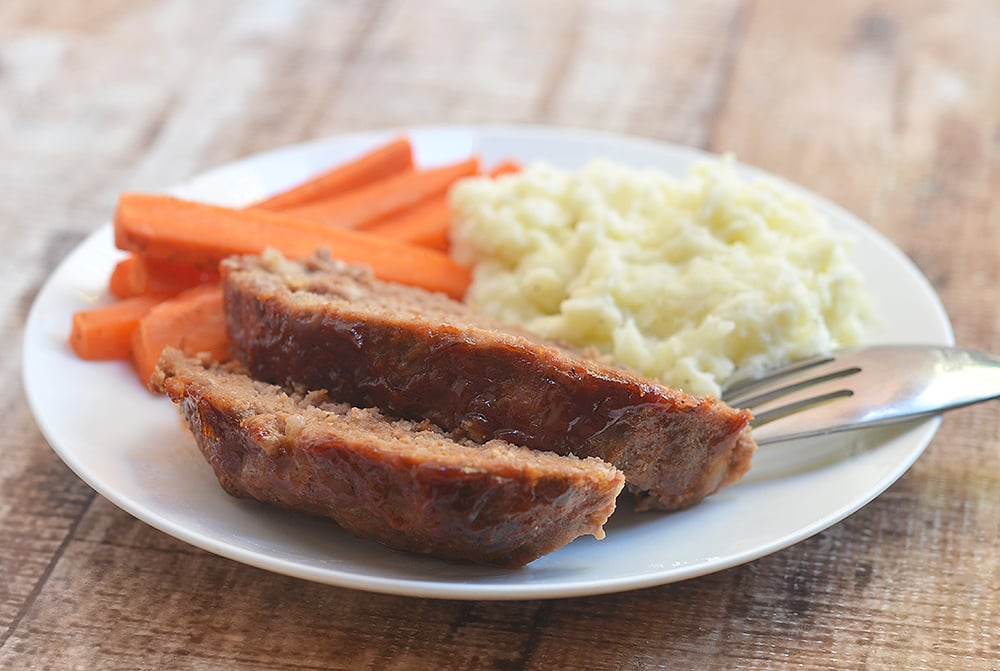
column 406, row 485
column 420, row 355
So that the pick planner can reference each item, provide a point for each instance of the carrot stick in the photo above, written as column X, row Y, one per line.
column 425, row 224
column 158, row 277
column 120, row 283
column 372, row 166
column 139, row 274
column 104, row 333
column 201, row 235
column 366, row 205
column 428, row 223
column 193, row 320
column 508, row 166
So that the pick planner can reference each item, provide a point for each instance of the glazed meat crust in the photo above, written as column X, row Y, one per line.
column 423, row 356
column 405, row 485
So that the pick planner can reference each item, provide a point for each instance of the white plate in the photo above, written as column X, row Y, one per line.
column 130, row 446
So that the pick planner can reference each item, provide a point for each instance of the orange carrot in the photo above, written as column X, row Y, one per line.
column 120, row 283
column 372, row 166
column 508, row 166
column 366, row 205
column 425, row 224
column 104, row 333
column 193, row 320
column 201, row 235
column 141, row 275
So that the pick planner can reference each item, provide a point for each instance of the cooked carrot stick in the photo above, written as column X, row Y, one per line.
column 363, row 206
column 120, row 283
column 372, row 166
column 141, row 275
column 158, row 277
column 193, row 320
column 425, row 224
column 201, row 235
column 508, row 166
column 104, row 333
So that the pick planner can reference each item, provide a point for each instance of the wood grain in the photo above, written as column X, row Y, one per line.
column 890, row 109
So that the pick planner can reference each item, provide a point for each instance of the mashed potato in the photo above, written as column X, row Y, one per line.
column 691, row 281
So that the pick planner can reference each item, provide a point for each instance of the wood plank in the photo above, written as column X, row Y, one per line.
column 666, row 80
column 39, row 508
column 41, row 501
column 172, row 606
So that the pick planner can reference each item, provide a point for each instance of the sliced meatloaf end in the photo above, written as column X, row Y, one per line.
column 406, row 485
column 420, row 355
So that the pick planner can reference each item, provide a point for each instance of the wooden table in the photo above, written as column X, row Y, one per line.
column 891, row 110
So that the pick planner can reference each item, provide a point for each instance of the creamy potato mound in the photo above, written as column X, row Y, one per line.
column 692, row 281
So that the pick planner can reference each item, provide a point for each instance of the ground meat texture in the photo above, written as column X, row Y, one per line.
column 404, row 484
column 419, row 355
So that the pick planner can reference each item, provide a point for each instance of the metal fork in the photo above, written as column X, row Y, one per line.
column 871, row 386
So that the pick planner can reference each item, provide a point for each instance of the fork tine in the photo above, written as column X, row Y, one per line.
column 797, row 371
column 760, row 419
column 806, row 378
